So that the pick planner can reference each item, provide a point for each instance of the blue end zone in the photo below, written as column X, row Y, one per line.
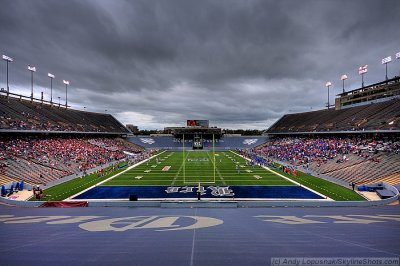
column 150, row 192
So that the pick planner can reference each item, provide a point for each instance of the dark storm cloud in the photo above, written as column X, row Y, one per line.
column 237, row 63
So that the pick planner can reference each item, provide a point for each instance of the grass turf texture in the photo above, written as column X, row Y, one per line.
column 192, row 167
column 332, row 190
column 74, row 186
column 198, row 167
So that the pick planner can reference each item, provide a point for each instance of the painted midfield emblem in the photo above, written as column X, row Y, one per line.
column 250, row 141
column 147, row 140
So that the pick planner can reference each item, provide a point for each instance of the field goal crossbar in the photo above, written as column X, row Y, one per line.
column 184, row 157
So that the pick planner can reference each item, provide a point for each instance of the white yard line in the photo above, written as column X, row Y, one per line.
column 179, row 170
column 108, row 179
column 287, row 178
column 219, row 174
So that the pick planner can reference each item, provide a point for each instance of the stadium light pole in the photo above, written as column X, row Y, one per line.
column 398, row 55
column 328, row 84
column 51, row 76
column 59, row 101
column 385, row 61
column 31, row 69
column 361, row 71
column 343, row 78
column 7, row 59
column 66, row 82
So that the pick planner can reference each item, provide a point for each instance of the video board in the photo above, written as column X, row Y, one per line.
column 198, row 123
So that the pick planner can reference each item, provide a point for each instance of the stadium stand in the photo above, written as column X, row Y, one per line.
column 356, row 158
column 224, row 143
column 373, row 116
column 21, row 114
column 392, row 179
column 39, row 160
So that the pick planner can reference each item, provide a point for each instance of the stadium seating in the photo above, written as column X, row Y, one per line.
column 357, row 159
column 226, row 143
column 43, row 159
column 392, row 179
column 20, row 114
column 376, row 116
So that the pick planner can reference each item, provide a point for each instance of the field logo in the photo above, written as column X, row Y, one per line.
column 149, row 141
column 121, row 224
column 158, row 223
column 214, row 191
column 250, row 141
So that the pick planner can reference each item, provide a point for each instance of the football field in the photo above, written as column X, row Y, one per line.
column 173, row 168
column 190, row 171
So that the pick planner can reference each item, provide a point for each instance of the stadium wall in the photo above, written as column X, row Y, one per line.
column 333, row 132
column 224, row 203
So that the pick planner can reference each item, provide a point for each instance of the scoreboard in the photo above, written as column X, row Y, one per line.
column 198, row 123
column 197, row 143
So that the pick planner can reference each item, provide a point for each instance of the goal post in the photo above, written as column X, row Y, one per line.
column 202, row 164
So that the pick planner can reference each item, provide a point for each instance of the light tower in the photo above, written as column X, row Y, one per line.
column 31, row 69
column 361, row 71
column 7, row 59
column 51, row 76
column 385, row 61
column 328, row 84
column 66, row 82
column 343, row 78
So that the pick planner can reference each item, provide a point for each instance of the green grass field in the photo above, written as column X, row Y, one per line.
column 193, row 167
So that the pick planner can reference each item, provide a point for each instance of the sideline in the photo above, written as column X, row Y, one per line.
column 108, row 179
column 288, row 179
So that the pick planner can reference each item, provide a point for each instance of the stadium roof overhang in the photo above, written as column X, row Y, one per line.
column 16, row 131
column 334, row 132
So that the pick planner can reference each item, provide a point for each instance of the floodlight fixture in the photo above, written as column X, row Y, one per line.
column 7, row 59
column 31, row 69
column 361, row 71
column 385, row 61
column 50, row 75
column 343, row 78
column 398, row 55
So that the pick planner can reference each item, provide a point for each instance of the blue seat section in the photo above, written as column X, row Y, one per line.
column 231, row 143
column 147, row 192
column 384, row 193
column 228, row 143
column 164, row 142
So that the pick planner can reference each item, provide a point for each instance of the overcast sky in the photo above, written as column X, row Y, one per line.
column 240, row 64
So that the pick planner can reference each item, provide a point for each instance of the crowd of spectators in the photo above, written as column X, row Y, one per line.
column 304, row 150
column 71, row 155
